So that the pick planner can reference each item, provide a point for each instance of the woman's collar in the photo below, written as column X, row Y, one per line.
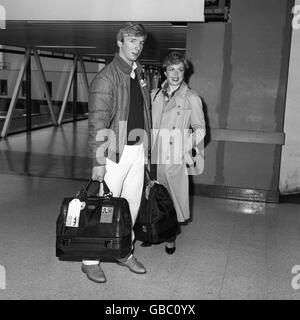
column 165, row 86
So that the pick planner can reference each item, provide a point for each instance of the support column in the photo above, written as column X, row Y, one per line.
column 67, row 92
column 28, row 95
column 74, row 109
column 85, row 79
column 15, row 94
column 44, row 84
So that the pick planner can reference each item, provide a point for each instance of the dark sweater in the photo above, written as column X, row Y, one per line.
column 136, row 110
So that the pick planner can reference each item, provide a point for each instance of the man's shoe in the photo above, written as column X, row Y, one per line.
column 133, row 265
column 94, row 272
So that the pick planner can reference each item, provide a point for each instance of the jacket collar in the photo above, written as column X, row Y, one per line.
column 178, row 92
column 124, row 66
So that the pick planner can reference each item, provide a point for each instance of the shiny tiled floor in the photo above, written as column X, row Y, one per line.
column 51, row 152
column 231, row 249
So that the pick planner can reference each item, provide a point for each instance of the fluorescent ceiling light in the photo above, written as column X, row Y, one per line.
column 66, row 47
column 100, row 54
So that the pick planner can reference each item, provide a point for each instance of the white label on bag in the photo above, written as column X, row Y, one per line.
column 107, row 215
column 73, row 213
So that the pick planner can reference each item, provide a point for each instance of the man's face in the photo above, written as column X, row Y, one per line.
column 175, row 74
column 130, row 48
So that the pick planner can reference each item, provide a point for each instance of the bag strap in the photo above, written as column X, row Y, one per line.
column 147, row 172
column 157, row 92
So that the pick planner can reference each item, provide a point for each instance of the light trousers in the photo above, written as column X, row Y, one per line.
column 125, row 179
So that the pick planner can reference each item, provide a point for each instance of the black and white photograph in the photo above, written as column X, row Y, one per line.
column 150, row 153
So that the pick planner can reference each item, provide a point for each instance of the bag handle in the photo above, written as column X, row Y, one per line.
column 106, row 190
column 83, row 193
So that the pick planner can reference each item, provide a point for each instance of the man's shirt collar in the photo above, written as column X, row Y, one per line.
column 132, row 74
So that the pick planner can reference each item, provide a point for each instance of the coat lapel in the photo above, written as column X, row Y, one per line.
column 159, row 106
column 178, row 99
column 170, row 104
column 180, row 95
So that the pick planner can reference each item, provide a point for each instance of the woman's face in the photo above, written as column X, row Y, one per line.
column 175, row 74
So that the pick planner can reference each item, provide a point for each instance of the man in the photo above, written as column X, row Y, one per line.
column 119, row 110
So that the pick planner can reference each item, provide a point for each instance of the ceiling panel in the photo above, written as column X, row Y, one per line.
column 91, row 38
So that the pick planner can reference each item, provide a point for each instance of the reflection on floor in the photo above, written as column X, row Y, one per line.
column 230, row 250
column 59, row 152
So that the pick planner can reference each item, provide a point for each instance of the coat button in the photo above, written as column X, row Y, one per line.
column 174, row 128
column 171, row 142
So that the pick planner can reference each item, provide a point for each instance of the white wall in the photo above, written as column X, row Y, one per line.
column 290, row 161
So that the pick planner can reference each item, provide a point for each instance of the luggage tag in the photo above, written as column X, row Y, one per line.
column 107, row 214
column 74, row 213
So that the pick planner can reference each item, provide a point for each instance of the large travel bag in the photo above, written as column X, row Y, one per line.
column 157, row 219
column 101, row 230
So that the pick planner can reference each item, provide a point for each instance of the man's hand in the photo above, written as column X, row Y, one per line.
column 98, row 173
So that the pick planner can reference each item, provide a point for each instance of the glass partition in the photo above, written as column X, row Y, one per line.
column 57, row 72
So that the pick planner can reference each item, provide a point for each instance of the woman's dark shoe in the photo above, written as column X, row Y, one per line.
column 170, row 247
column 146, row 244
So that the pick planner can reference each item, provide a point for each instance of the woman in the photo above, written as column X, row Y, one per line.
column 175, row 109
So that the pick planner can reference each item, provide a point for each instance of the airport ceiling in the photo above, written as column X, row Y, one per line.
column 93, row 39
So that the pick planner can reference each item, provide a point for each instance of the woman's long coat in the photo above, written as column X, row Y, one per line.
column 172, row 142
